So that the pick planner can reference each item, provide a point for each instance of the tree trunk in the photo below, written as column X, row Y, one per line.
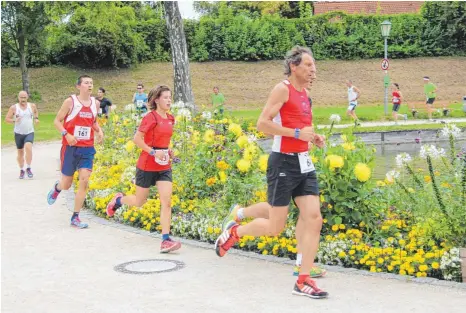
column 22, row 59
column 182, row 77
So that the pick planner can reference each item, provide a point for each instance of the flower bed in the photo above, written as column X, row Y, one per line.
column 222, row 163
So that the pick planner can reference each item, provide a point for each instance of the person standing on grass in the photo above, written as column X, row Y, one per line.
column 353, row 96
column 290, row 172
column 105, row 103
column 217, row 100
column 154, row 166
column 77, row 122
column 397, row 98
column 140, row 99
column 23, row 114
column 430, row 90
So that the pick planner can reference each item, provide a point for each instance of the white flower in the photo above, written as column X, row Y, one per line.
column 450, row 129
column 392, row 175
column 252, row 138
column 335, row 118
column 184, row 113
column 432, row 151
column 207, row 115
column 182, row 105
column 402, row 159
column 129, row 107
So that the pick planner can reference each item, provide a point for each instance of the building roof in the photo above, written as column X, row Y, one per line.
column 368, row 7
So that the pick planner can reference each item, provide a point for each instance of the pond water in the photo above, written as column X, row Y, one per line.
column 385, row 155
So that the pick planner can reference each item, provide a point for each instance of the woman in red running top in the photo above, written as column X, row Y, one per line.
column 153, row 167
column 396, row 100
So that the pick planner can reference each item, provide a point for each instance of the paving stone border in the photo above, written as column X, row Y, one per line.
column 268, row 258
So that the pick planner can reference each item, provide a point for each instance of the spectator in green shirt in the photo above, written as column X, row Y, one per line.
column 218, row 101
column 430, row 90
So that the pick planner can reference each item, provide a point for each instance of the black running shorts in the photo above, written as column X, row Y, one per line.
column 396, row 107
column 145, row 179
column 285, row 180
column 21, row 140
column 430, row 101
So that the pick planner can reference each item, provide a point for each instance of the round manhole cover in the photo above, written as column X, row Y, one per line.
column 152, row 266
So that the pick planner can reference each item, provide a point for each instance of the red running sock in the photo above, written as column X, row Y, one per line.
column 302, row 278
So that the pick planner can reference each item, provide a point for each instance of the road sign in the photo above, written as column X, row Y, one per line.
column 386, row 81
column 385, row 64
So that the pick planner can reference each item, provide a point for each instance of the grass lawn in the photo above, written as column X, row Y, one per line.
column 365, row 113
column 44, row 131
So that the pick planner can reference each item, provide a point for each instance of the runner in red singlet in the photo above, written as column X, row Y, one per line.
column 153, row 167
column 76, row 121
column 290, row 171
column 397, row 98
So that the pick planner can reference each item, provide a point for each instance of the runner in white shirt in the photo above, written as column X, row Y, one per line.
column 353, row 96
column 23, row 114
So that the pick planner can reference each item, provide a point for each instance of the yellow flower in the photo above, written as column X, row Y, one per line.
column 334, row 161
column 380, row 260
column 209, row 136
column 335, row 227
column 210, row 230
column 115, row 118
column 427, row 179
column 314, row 159
column 362, row 172
column 129, row 146
column 235, row 129
column 249, row 153
column 435, row 265
column 402, row 272
column 348, row 146
column 380, row 183
column 211, row 181
column 265, row 252
column 243, row 165
column 373, row 269
column 341, row 254
column 222, row 165
column 362, row 224
column 223, row 177
column 390, row 268
column 423, row 268
column 342, row 226
column 352, row 252
column 402, row 242
column 263, row 160
column 242, row 141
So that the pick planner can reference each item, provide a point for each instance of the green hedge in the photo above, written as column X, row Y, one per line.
column 120, row 36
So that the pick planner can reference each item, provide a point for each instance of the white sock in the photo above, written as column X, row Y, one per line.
column 28, row 166
column 299, row 259
column 240, row 214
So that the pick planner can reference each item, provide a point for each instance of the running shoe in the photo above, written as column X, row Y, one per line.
column 232, row 217
column 21, row 174
column 405, row 117
column 76, row 222
column 309, row 289
column 226, row 240
column 53, row 194
column 169, row 246
column 29, row 172
column 315, row 272
column 111, row 205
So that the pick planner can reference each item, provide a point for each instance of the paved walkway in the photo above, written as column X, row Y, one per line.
column 401, row 122
column 49, row 267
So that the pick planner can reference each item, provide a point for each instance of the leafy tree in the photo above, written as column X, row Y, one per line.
column 23, row 25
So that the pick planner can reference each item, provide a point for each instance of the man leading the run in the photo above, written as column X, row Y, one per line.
column 76, row 121
column 290, row 172
column 25, row 114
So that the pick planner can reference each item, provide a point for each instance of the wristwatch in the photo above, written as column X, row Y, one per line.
column 297, row 131
column 64, row 133
column 152, row 152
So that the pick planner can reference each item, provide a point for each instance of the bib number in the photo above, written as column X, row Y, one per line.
column 82, row 133
column 139, row 103
column 165, row 159
column 305, row 162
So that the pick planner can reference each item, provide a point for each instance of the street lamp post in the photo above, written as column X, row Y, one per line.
column 385, row 27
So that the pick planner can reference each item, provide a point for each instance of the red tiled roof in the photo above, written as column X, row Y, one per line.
column 368, row 7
